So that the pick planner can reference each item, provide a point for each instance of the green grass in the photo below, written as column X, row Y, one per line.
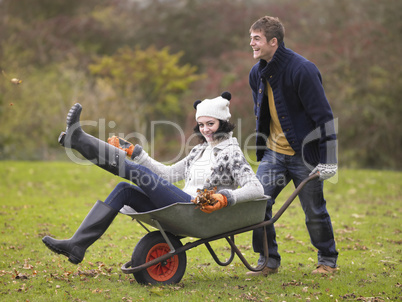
column 41, row 198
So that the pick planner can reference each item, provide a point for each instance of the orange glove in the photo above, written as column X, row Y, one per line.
column 121, row 144
column 221, row 202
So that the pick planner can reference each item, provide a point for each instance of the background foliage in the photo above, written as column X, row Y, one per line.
column 134, row 62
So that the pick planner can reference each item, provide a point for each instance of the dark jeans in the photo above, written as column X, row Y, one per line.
column 275, row 172
column 152, row 192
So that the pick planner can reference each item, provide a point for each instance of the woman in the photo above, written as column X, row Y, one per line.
column 216, row 162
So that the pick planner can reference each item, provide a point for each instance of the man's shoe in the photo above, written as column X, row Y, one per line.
column 324, row 269
column 264, row 272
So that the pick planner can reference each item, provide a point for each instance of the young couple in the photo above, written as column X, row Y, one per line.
column 289, row 104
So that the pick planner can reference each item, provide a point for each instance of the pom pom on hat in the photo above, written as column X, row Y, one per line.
column 226, row 95
column 217, row 107
column 196, row 103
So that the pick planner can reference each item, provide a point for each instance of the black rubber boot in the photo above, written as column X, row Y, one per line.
column 93, row 149
column 90, row 230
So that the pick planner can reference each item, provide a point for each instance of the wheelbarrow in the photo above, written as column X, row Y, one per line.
column 159, row 257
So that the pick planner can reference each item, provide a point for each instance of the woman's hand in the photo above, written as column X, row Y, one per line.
column 121, row 144
column 221, row 202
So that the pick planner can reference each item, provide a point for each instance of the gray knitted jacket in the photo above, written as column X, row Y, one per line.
column 230, row 172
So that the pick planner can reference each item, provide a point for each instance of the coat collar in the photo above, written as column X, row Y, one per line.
column 278, row 62
column 223, row 144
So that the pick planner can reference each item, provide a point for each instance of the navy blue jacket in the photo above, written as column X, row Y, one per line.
column 303, row 109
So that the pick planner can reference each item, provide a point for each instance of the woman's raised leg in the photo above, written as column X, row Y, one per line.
column 95, row 150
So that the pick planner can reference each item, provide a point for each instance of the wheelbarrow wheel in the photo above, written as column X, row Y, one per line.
column 152, row 246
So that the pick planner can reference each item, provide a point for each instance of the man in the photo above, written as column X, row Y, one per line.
column 295, row 138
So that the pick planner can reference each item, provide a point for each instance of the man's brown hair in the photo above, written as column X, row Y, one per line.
column 271, row 27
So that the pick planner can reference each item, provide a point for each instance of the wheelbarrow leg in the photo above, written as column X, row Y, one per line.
column 213, row 254
column 245, row 262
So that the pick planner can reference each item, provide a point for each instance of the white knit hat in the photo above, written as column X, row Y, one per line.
column 217, row 107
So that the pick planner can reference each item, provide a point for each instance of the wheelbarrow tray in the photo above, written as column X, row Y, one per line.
column 184, row 219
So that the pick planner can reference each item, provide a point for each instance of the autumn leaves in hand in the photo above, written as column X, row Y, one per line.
column 208, row 201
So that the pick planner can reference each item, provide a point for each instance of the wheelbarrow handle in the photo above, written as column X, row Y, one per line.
column 293, row 196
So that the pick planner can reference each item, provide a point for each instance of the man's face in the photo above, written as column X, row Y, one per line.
column 262, row 49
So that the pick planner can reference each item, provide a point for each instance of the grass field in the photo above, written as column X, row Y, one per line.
column 52, row 198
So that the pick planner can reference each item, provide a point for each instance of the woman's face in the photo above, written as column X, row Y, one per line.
column 208, row 126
